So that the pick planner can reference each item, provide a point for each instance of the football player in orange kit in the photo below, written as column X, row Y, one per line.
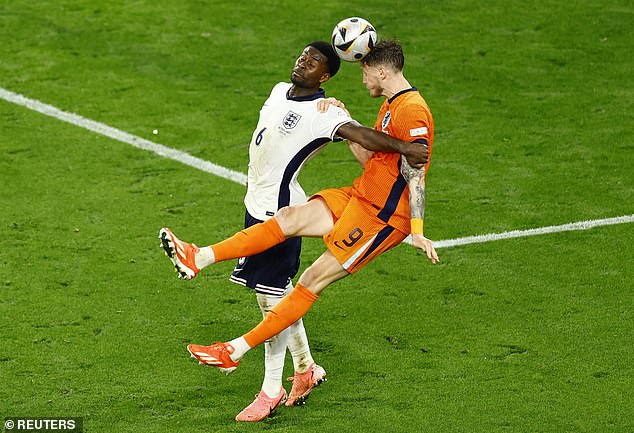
column 357, row 223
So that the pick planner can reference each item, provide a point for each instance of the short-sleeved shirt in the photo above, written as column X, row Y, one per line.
column 405, row 116
column 290, row 131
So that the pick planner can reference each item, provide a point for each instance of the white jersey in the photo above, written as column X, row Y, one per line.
column 290, row 131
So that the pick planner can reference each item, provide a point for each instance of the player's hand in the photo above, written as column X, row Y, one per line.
column 420, row 241
column 324, row 104
column 417, row 155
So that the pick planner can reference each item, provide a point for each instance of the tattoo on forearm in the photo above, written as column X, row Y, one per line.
column 417, row 197
column 416, row 180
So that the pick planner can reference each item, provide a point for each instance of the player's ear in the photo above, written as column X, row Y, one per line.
column 325, row 77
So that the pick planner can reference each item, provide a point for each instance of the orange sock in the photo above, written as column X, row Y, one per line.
column 288, row 311
column 250, row 241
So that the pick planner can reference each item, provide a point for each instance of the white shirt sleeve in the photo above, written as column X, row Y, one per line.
column 326, row 124
column 278, row 92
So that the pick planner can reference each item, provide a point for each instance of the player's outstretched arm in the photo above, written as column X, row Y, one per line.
column 373, row 140
column 416, row 181
column 360, row 153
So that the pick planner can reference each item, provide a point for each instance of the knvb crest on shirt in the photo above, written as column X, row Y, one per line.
column 291, row 119
column 386, row 121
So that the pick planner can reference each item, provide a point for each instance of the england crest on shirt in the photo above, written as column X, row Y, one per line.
column 291, row 119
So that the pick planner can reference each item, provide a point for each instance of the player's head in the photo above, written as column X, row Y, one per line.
column 316, row 65
column 326, row 49
column 383, row 61
column 386, row 53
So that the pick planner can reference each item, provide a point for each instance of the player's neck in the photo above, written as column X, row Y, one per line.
column 297, row 91
column 394, row 85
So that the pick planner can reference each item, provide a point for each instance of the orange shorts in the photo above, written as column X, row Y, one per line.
column 358, row 236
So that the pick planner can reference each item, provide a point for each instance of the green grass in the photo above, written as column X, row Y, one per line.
column 533, row 104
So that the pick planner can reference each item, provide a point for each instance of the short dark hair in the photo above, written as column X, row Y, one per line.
column 388, row 52
column 327, row 50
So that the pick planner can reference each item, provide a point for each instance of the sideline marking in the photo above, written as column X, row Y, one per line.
column 217, row 170
column 117, row 134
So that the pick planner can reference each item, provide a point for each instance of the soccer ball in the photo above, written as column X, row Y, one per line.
column 353, row 38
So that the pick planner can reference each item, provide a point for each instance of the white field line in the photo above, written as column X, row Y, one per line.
column 241, row 178
column 124, row 137
column 581, row 225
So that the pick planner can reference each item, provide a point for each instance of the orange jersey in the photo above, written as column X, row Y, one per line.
column 405, row 116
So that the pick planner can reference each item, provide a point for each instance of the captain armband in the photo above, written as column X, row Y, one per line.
column 417, row 226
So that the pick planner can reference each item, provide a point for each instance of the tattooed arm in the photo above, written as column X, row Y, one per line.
column 416, row 181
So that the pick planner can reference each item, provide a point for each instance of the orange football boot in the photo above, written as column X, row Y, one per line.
column 182, row 254
column 217, row 355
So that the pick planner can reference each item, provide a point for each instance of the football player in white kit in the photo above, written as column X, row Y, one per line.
column 290, row 131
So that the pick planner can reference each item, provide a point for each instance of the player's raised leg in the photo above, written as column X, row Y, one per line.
column 181, row 254
column 226, row 356
column 312, row 219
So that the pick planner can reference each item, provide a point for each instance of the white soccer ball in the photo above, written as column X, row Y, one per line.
column 353, row 38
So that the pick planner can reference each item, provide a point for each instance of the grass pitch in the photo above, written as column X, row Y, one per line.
column 532, row 103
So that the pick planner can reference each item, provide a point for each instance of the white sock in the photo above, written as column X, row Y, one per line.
column 274, row 354
column 298, row 346
column 274, row 350
column 241, row 347
column 204, row 257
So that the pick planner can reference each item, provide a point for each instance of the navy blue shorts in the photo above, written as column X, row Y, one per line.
column 271, row 271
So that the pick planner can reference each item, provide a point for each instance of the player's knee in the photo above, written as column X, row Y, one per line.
column 287, row 218
column 310, row 279
column 316, row 278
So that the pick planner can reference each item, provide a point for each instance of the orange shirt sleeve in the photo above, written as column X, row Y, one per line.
column 415, row 124
column 412, row 123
